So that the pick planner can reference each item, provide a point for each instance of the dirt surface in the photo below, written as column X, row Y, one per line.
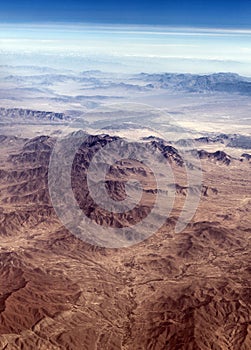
column 172, row 291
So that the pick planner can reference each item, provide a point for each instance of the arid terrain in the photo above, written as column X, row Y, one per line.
column 125, row 183
column 172, row 291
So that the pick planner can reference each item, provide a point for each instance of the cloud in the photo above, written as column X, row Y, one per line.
column 149, row 45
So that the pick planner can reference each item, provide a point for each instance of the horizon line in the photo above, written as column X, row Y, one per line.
column 206, row 28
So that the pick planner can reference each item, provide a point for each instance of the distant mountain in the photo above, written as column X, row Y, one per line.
column 246, row 156
column 51, row 79
column 143, row 82
column 194, row 83
column 22, row 115
column 218, row 156
column 234, row 141
column 240, row 141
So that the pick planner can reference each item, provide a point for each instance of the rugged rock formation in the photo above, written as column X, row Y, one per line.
column 173, row 291
column 27, row 115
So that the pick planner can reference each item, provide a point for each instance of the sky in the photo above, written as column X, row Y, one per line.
column 214, row 13
column 128, row 36
column 127, row 48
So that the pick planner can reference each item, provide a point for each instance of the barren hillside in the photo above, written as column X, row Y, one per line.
column 171, row 291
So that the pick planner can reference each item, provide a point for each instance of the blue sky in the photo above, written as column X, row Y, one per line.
column 159, row 12
column 176, row 36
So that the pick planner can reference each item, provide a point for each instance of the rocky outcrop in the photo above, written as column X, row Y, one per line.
column 173, row 291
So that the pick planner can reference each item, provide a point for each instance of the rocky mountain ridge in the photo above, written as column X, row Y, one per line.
column 170, row 292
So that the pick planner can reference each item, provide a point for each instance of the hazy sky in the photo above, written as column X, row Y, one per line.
column 127, row 48
column 176, row 36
